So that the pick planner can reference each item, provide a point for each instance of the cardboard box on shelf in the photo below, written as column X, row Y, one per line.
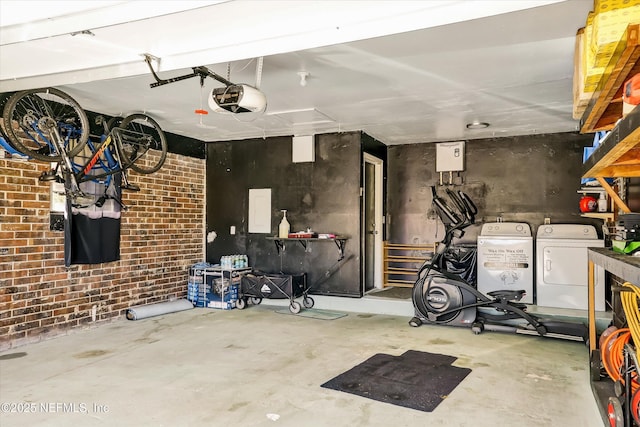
column 600, row 39
column 580, row 97
column 591, row 74
column 610, row 20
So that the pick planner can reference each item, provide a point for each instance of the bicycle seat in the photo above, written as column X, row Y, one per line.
column 507, row 295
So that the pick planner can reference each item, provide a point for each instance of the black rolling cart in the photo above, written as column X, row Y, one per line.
column 256, row 285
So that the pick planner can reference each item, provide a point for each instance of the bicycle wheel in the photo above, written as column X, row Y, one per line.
column 32, row 118
column 142, row 143
column 9, row 145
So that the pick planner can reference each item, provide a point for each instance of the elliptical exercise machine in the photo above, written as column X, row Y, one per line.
column 442, row 297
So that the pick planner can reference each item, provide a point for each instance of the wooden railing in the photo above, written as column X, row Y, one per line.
column 403, row 261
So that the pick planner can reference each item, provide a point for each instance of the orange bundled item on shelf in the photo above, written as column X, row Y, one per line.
column 635, row 407
column 612, row 356
column 631, row 93
column 588, row 204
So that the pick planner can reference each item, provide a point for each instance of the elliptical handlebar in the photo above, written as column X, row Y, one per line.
column 471, row 207
column 447, row 215
column 454, row 220
column 463, row 216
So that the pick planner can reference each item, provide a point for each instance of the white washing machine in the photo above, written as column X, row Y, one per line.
column 505, row 258
column 562, row 276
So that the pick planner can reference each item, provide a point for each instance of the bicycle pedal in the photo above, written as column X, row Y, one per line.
column 48, row 176
column 130, row 187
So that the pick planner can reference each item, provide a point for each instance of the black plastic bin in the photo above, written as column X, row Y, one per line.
column 257, row 285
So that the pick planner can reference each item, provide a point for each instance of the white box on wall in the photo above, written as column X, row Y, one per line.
column 303, row 149
column 450, row 156
column 259, row 210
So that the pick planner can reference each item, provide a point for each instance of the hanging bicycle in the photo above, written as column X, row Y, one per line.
column 97, row 165
column 49, row 125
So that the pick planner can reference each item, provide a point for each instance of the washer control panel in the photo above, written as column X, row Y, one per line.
column 521, row 229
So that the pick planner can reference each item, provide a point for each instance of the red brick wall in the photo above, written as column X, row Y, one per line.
column 161, row 237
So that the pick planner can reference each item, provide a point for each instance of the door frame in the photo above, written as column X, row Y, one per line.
column 379, row 221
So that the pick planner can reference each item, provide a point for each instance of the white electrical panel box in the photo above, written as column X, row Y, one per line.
column 259, row 210
column 450, row 156
column 303, row 149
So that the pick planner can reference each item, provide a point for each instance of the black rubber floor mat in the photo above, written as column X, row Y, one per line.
column 416, row 379
column 394, row 292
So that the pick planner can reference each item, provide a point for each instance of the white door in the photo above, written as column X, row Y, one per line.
column 372, row 223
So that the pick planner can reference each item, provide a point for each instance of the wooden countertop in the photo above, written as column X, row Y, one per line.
column 627, row 267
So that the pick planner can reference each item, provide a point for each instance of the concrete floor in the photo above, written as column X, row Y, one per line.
column 256, row 367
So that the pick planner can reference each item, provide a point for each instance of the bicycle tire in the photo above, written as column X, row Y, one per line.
column 6, row 139
column 26, row 113
column 142, row 143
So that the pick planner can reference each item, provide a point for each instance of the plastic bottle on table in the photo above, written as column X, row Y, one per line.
column 284, row 227
column 602, row 203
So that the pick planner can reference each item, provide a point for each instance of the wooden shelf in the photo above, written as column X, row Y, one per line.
column 605, row 107
column 619, row 153
column 592, row 190
column 340, row 242
column 402, row 262
column 607, row 216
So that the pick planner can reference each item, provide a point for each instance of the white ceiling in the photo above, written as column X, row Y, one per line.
column 401, row 71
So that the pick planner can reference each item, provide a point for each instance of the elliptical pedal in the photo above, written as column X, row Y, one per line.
column 131, row 187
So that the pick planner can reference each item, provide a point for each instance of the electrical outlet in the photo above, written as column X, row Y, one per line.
column 232, row 230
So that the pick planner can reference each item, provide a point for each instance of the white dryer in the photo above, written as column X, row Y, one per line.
column 562, row 276
column 505, row 258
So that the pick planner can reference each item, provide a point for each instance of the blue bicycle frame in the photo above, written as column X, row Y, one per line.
column 9, row 149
